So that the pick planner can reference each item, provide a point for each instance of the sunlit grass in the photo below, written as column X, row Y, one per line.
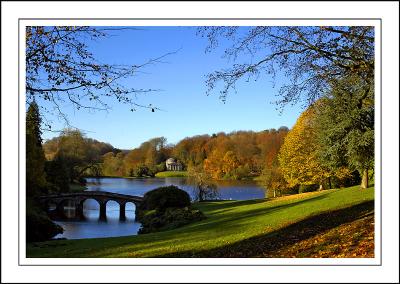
column 228, row 222
column 171, row 174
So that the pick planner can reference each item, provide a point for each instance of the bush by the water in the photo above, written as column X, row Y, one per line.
column 164, row 197
column 171, row 218
column 39, row 227
column 166, row 208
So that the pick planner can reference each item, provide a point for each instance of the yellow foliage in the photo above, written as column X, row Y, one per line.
column 297, row 156
column 343, row 173
column 230, row 162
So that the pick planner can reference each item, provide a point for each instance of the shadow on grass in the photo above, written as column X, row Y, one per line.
column 223, row 206
column 244, row 215
column 265, row 245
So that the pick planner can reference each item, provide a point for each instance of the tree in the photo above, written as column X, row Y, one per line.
column 213, row 165
column 60, row 68
column 35, row 159
column 57, row 174
column 112, row 164
column 345, row 127
column 273, row 180
column 76, row 153
column 311, row 57
column 38, row 225
column 298, row 154
column 150, row 154
column 318, row 61
column 142, row 171
column 204, row 188
column 230, row 164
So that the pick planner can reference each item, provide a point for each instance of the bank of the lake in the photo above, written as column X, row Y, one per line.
column 248, row 228
column 92, row 227
column 171, row 174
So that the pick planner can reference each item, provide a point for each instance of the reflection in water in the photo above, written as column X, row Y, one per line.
column 92, row 227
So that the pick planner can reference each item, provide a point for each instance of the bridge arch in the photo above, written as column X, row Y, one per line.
column 61, row 210
column 130, row 209
column 112, row 207
column 87, row 205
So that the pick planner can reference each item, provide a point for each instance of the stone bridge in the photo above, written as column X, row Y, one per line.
column 102, row 197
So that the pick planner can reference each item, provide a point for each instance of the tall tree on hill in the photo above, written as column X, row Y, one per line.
column 35, row 159
column 317, row 60
column 346, row 128
column 298, row 155
column 76, row 153
column 38, row 225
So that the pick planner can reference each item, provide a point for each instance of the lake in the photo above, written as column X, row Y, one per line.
column 92, row 227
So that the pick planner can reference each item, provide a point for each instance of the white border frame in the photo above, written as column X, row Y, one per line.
column 387, row 11
column 199, row 261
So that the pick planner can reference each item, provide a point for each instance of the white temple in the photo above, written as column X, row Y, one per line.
column 173, row 165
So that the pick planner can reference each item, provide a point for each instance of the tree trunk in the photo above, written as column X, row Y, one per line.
column 274, row 193
column 330, row 183
column 201, row 194
column 364, row 180
column 321, row 187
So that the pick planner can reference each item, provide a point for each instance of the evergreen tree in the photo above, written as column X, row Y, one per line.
column 346, row 127
column 38, row 225
column 35, row 159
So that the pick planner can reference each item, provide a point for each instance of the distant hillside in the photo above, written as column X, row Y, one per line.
column 52, row 146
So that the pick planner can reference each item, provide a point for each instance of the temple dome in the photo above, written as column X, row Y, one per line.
column 170, row 161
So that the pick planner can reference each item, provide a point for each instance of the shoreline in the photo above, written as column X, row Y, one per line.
column 254, row 179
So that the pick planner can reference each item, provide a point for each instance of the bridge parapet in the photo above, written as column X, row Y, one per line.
column 102, row 197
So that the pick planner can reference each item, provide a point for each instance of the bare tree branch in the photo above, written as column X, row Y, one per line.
column 60, row 67
column 316, row 56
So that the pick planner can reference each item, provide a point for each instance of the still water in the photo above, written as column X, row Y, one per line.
column 92, row 227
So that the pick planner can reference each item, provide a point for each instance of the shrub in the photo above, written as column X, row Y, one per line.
column 142, row 171
column 170, row 219
column 164, row 197
column 39, row 227
column 353, row 179
column 308, row 188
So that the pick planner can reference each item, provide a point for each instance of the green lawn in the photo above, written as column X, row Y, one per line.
column 230, row 224
column 171, row 174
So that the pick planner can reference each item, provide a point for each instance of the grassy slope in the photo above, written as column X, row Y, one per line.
column 171, row 174
column 230, row 226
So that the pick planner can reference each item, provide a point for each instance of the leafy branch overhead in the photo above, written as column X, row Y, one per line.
column 312, row 58
column 60, row 69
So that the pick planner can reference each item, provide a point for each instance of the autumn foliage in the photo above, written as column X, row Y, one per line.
column 235, row 155
column 297, row 157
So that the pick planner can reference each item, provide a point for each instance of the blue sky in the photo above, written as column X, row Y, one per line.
column 187, row 111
